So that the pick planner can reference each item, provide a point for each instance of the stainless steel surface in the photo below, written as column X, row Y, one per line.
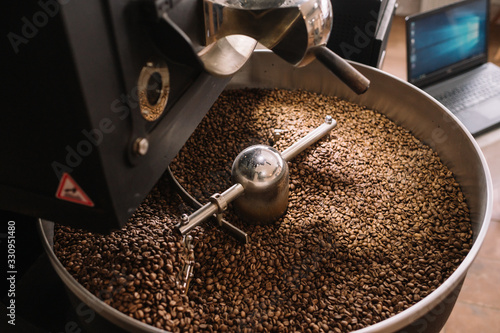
column 296, row 30
column 409, row 107
column 289, row 28
column 263, row 172
column 299, row 146
column 264, row 176
column 228, row 55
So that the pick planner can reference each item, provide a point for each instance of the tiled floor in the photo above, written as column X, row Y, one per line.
column 478, row 306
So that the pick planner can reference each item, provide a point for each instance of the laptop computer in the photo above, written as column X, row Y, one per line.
column 447, row 51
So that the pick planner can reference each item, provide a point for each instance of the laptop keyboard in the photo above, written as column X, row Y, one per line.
column 474, row 91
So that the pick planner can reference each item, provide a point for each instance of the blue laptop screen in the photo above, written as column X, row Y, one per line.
column 446, row 37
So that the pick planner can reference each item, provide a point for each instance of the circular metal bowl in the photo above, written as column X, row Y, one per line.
column 407, row 106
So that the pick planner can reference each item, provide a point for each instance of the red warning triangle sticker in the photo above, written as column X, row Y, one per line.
column 70, row 191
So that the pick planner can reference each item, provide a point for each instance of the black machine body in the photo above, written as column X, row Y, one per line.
column 99, row 96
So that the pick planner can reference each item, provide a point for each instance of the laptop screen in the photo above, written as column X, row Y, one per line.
column 446, row 40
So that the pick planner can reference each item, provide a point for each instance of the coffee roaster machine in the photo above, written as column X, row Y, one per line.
column 116, row 88
column 101, row 96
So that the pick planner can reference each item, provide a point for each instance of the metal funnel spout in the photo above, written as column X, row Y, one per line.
column 296, row 30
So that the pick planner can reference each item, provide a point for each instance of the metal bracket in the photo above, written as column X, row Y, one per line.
column 218, row 200
column 221, row 204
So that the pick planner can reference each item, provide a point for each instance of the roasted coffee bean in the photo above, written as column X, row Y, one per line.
column 375, row 223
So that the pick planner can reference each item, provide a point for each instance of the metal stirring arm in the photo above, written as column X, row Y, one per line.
column 216, row 206
column 234, row 231
column 218, row 202
column 313, row 136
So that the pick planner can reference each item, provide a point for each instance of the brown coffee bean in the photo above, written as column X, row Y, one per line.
column 375, row 223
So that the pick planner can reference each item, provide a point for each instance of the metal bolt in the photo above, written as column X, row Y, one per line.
column 328, row 119
column 184, row 219
column 141, row 146
column 277, row 133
